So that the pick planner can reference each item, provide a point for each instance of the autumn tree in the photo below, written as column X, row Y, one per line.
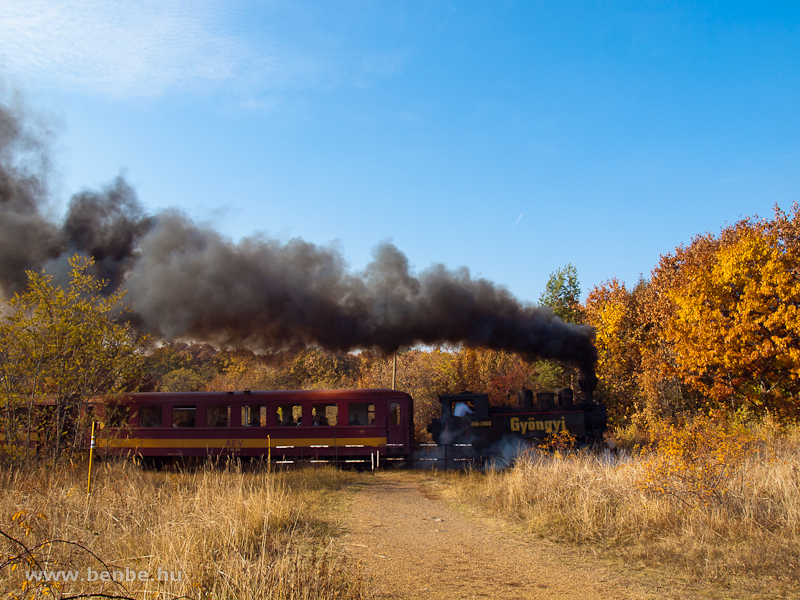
column 717, row 325
column 609, row 309
column 241, row 369
column 736, row 325
column 174, row 366
column 313, row 368
column 497, row 372
column 632, row 351
column 63, row 346
column 182, row 380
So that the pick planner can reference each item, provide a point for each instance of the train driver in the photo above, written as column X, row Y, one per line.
column 462, row 409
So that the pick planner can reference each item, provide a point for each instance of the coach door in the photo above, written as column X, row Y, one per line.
column 396, row 426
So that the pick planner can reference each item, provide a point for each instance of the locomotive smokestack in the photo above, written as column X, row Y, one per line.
column 587, row 384
column 525, row 398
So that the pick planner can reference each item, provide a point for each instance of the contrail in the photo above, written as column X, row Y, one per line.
column 517, row 221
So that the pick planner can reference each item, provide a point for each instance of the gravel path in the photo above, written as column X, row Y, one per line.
column 412, row 545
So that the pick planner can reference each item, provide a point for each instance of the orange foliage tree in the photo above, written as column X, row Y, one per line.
column 609, row 308
column 718, row 324
column 736, row 324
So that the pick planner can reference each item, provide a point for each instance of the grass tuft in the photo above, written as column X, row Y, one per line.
column 228, row 532
column 750, row 528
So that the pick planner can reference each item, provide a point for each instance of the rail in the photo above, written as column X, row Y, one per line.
column 435, row 457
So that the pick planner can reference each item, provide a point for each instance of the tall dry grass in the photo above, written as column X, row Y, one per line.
column 229, row 533
column 603, row 501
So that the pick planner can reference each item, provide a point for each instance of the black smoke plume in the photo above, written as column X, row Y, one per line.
column 105, row 225
column 27, row 239
column 186, row 281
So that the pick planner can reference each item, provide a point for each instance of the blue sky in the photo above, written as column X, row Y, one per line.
column 509, row 137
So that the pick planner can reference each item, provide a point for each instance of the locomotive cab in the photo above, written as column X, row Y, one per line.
column 477, row 403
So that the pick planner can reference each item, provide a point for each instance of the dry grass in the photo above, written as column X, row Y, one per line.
column 601, row 503
column 230, row 533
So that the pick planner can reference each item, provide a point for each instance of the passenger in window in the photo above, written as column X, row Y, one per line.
column 354, row 421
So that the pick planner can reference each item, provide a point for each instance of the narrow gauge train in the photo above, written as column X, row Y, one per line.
column 339, row 426
column 314, row 425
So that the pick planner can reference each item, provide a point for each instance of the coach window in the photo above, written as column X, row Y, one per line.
column 360, row 414
column 150, row 416
column 254, row 415
column 218, row 415
column 290, row 414
column 183, row 416
column 394, row 413
column 324, row 414
column 117, row 415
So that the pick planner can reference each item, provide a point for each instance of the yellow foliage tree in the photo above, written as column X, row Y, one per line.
column 64, row 346
column 631, row 348
column 608, row 309
column 718, row 323
column 735, row 331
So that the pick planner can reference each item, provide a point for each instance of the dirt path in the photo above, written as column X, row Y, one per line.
column 412, row 545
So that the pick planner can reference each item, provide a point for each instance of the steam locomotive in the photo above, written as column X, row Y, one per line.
column 470, row 431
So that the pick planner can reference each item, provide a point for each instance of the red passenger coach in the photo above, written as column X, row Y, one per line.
column 338, row 426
